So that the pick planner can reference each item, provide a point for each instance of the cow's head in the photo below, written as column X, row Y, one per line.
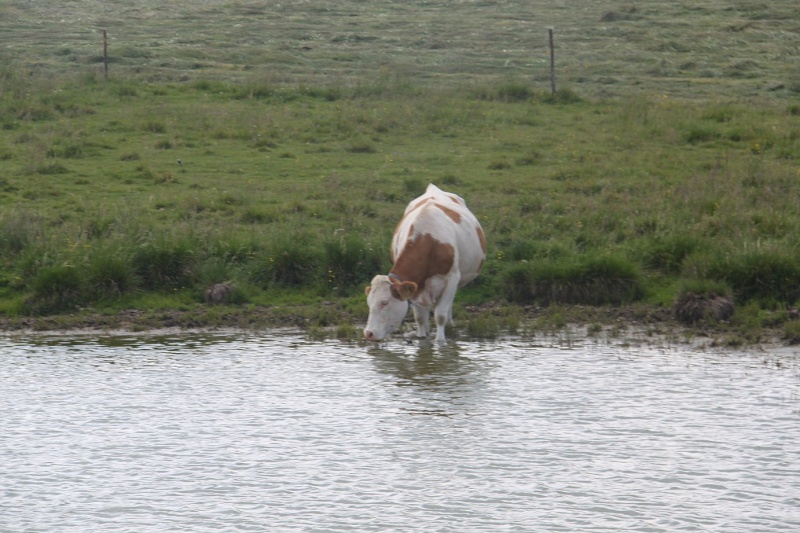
column 387, row 299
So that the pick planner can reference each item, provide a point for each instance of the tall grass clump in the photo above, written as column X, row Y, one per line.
column 348, row 260
column 289, row 261
column 17, row 231
column 591, row 280
column 56, row 288
column 110, row 273
column 666, row 254
column 165, row 263
column 764, row 275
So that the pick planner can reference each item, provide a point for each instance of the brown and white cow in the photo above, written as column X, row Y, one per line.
column 437, row 247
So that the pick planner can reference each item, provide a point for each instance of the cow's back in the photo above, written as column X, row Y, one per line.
column 444, row 218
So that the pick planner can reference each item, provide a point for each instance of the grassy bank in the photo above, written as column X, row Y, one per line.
column 198, row 197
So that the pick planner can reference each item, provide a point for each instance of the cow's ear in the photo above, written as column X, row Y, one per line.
column 404, row 291
column 367, row 289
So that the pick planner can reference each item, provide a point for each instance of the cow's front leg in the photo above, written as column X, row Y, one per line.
column 421, row 317
column 442, row 315
column 443, row 312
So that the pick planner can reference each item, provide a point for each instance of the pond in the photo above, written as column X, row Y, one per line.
column 278, row 432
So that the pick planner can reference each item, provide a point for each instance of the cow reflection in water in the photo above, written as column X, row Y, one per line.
column 433, row 379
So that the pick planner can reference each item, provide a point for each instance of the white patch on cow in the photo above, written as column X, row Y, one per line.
column 437, row 247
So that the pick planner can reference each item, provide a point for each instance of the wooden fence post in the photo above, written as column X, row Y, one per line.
column 552, row 63
column 105, row 53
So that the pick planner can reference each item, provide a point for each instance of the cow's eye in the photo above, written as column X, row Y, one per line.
column 384, row 303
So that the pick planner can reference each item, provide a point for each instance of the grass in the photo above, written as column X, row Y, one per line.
column 280, row 165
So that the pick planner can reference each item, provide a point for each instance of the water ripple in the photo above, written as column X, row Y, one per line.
column 254, row 433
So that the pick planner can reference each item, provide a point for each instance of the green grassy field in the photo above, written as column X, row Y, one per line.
column 274, row 148
column 711, row 48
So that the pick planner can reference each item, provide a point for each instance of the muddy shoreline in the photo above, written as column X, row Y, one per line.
column 636, row 324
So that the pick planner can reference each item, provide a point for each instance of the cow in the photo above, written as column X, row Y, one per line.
column 437, row 247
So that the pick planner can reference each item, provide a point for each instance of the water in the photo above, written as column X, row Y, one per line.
column 280, row 433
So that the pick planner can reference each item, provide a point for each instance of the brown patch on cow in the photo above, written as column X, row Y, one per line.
column 482, row 238
column 419, row 204
column 456, row 199
column 423, row 258
column 455, row 217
